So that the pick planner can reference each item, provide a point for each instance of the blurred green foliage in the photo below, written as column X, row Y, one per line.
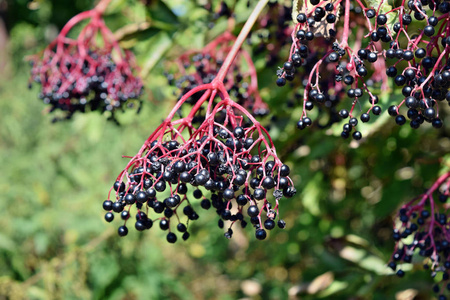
column 54, row 243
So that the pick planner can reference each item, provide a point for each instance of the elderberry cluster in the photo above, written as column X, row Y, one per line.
column 425, row 231
column 271, row 33
column 198, row 69
column 226, row 159
column 409, row 44
column 94, row 82
column 88, row 73
column 192, row 69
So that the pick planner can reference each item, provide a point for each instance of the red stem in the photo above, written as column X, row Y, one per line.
column 101, row 6
column 346, row 32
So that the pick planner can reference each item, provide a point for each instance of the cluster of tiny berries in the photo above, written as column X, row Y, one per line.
column 227, row 155
column 195, row 68
column 82, row 75
column 272, row 33
column 423, row 228
column 418, row 63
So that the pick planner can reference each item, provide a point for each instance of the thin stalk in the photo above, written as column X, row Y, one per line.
column 101, row 6
column 240, row 40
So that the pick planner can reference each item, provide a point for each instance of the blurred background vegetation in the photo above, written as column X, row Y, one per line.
column 55, row 244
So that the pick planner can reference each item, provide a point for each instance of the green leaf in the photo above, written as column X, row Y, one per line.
column 158, row 11
column 156, row 47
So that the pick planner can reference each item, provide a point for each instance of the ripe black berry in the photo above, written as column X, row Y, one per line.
column 205, row 204
column 125, row 215
column 171, row 237
column 107, row 205
column 370, row 13
column 392, row 110
column 122, row 231
column 372, row 57
column 400, row 80
column 365, row 118
column 119, row 186
column 164, row 224
column 301, row 18
column 226, row 214
column 331, row 18
column 437, row 123
column 253, row 211
column 428, row 30
column 117, row 207
column 269, row 224
column 344, row 113
column 391, row 71
column 429, row 113
column 381, row 19
column 260, row 234
column 353, row 122
column 357, row 135
column 420, row 53
column 333, row 57
column 109, row 217
column 400, row 119
column 281, row 81
column 140, row 225
column 181, row 227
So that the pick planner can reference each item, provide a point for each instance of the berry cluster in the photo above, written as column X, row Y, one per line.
column 272, row 33
column 85, row 74
column 195, row 68
column 386, row 45
column 422, row 226
column 230, row 155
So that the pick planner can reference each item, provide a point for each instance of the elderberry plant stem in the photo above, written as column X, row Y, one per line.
column 240, row 40
column 101, row 6
column 346, row 29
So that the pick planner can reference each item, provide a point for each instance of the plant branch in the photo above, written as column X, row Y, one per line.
column 240, row 40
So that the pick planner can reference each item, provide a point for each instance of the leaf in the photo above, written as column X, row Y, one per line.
column 364, row 260
column 159, row 11
column 320, row 283
column 295, row 10
column 311, row 194
column 157, row 46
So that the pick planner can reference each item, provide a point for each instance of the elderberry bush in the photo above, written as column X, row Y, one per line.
column 422, row 228
column 83, row 74
column 349, row 51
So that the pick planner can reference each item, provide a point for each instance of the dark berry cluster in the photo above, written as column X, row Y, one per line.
column 195, row 68
column 385, row 48
column 272, row 32
column 230, row 155
column 422, row 227
column 85, row 75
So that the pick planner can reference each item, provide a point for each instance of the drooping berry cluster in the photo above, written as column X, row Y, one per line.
column 272, row 32
column 422, row 227
column 195, row 68
column 86, row 74
column 385, row 44
column 230, row 155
